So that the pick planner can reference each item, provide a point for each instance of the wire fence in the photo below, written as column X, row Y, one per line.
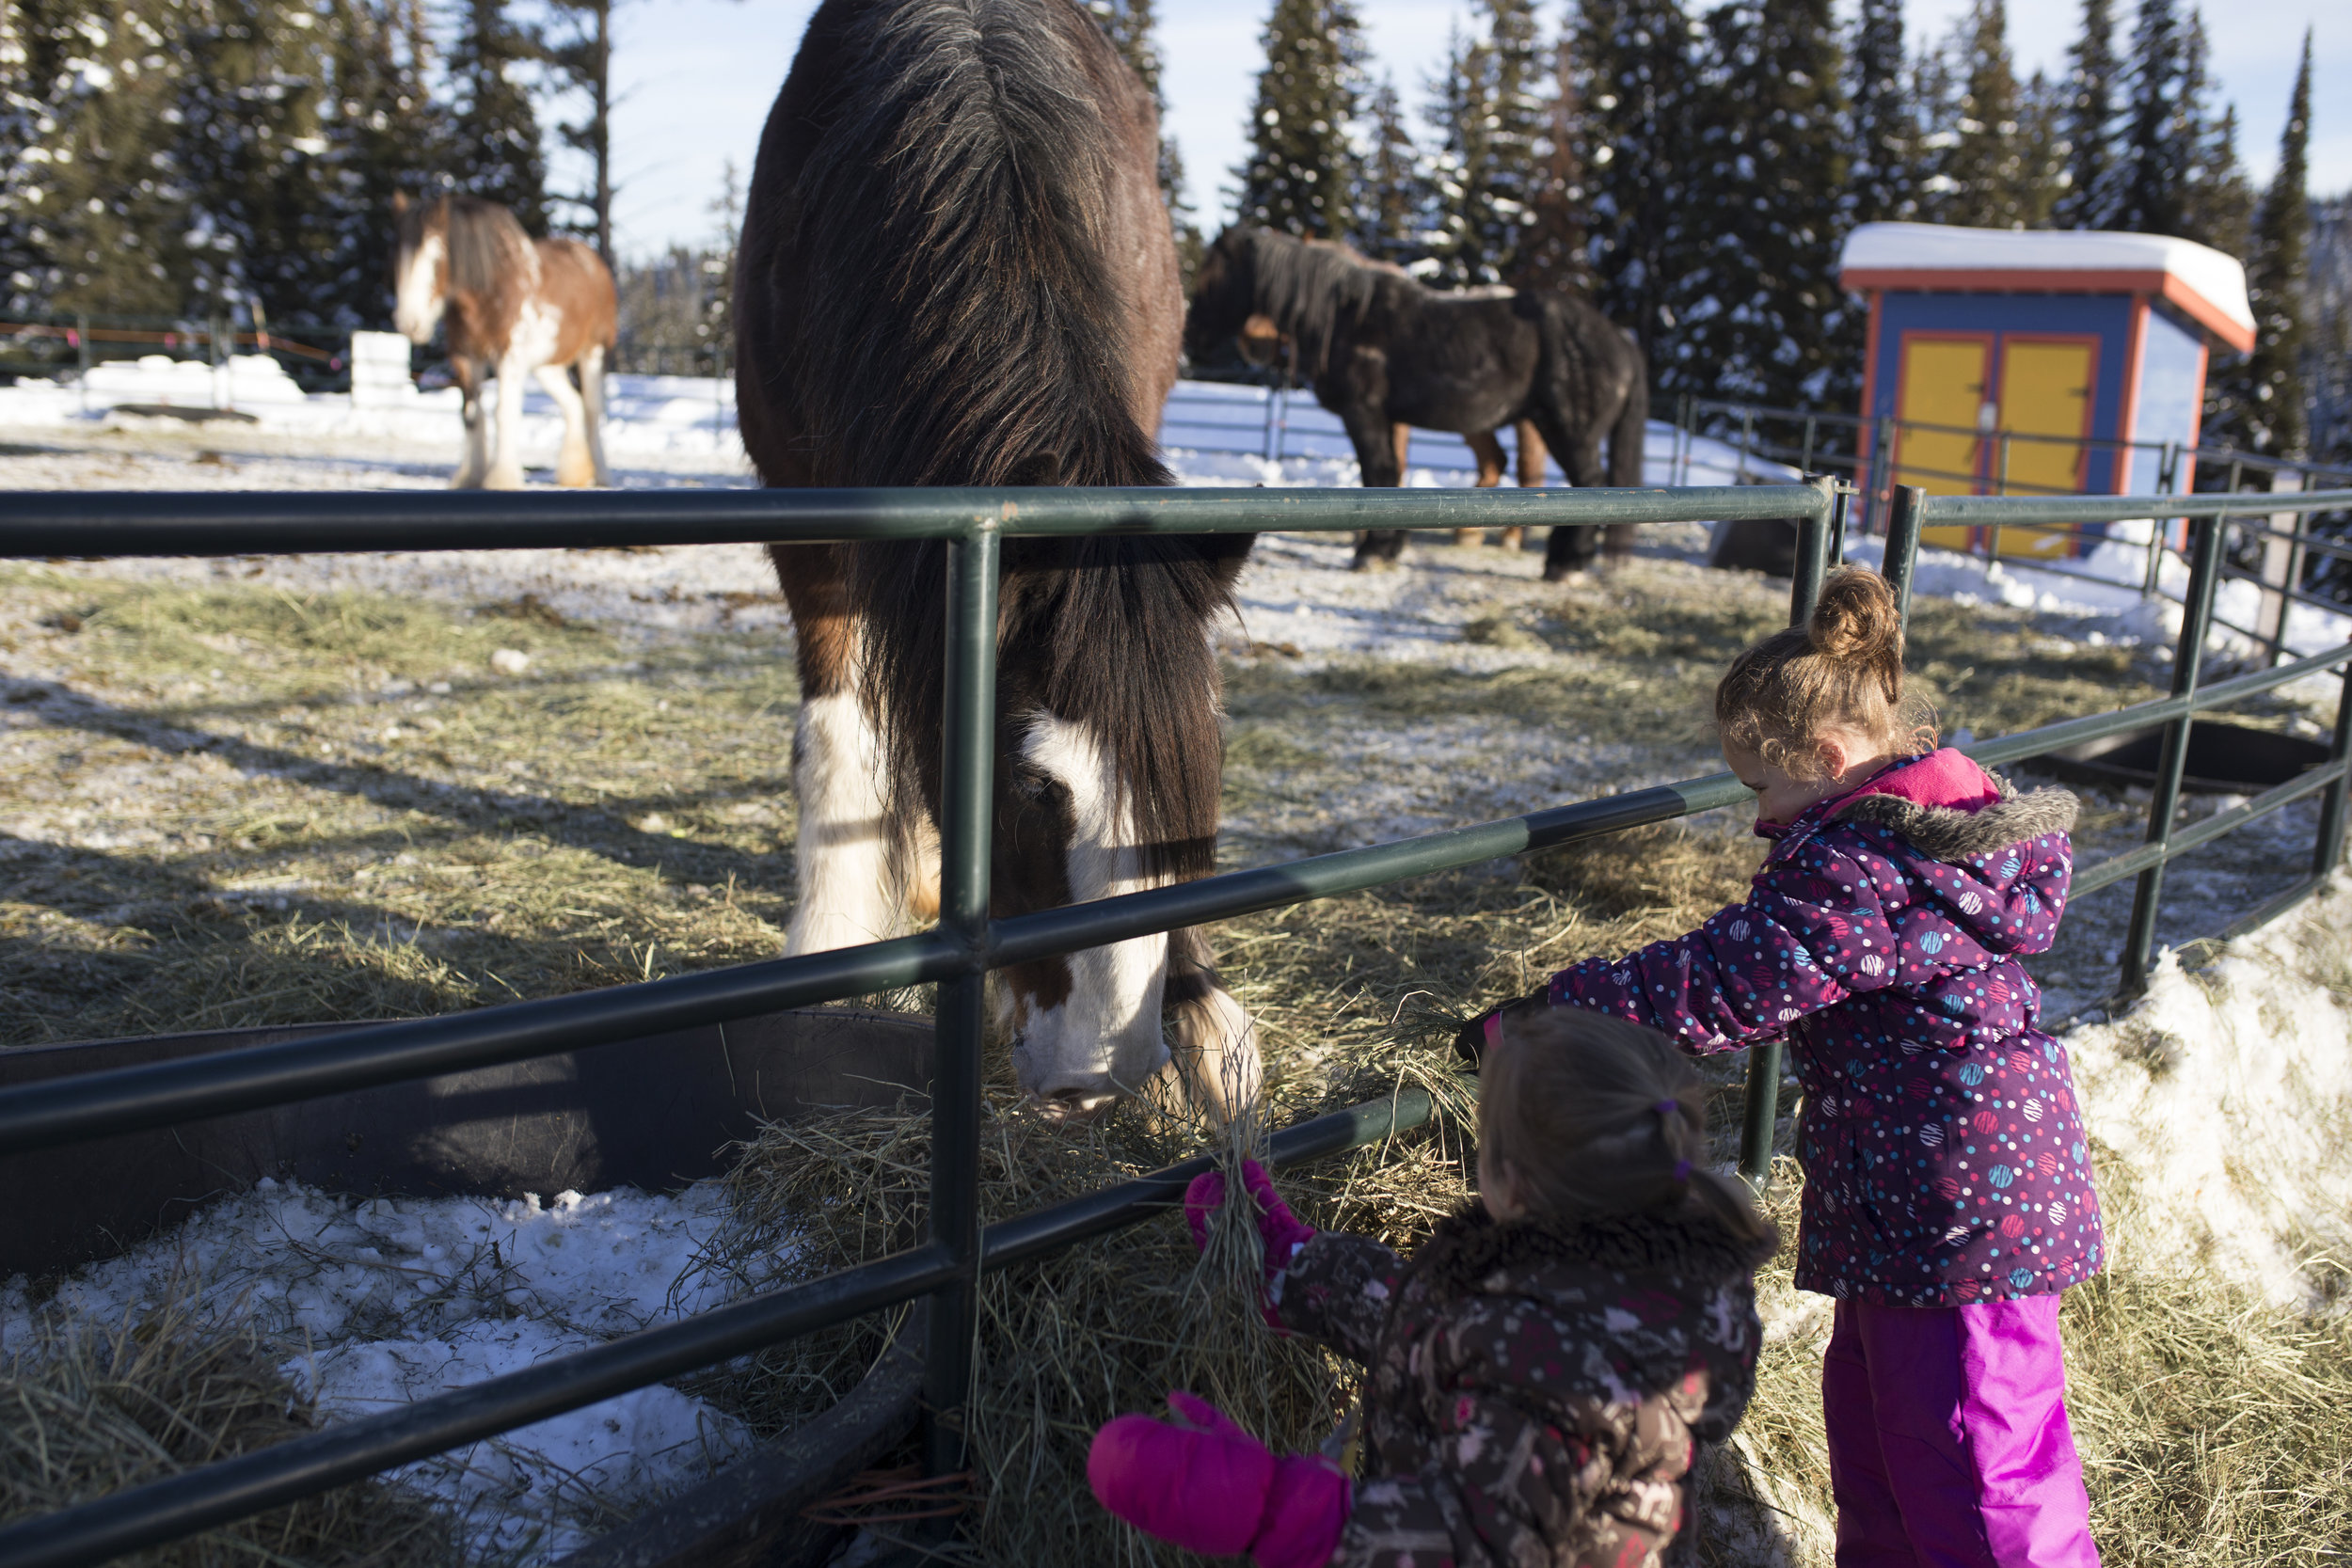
column 966, row 943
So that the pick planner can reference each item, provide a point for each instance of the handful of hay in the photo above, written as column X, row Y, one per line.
column 1068, row 1341
column 92, row 1410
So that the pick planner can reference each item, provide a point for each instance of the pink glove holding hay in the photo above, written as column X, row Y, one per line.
column 1209, row 1487
column 1282, row 1231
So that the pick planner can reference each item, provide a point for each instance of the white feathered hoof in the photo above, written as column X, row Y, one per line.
column 503, row 479
column 577, row 470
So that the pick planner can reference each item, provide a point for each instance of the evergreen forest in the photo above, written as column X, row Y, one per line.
column 1694, row 168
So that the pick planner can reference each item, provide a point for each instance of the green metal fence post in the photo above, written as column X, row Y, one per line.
column 1762, row 1112
column 2205, row 573
column 967, row 800
column 1903, row 544
column 2328, row 850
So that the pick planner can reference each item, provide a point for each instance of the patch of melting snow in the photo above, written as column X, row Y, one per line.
column 393, row 1300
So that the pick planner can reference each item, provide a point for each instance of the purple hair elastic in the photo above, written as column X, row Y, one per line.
column 1667, row 1107
column 1682, row 1170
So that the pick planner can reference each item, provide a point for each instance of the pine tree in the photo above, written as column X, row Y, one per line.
column 2258, row 404
column 1389, row 217
column 2152, row 174
column 1457, row 114
column 1638, row 82
column 386, row 137
column 1490, row 116
column 2327, row 367
column 581, row 55
column 2086, row 127
column 1557, row 251
column 253, row 114
column 1884, row 127
column 1301, row 174
column 105, row 206
column 495, row 149
column 1984, row 183
column 21, row 192
column 2217, row 204
column 1504, row 188
column 1761, row 305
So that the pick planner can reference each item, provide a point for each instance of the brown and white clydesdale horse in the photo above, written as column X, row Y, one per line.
column 956, row 270
column 513, row 307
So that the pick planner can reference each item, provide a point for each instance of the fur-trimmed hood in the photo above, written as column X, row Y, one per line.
column 1469, row 1253
column 1954, row 835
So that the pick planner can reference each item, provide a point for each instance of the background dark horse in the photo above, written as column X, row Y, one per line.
column 1380, row 350
column 956, row 269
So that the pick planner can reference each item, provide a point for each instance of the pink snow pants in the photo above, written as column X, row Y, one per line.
column 1948, row 1446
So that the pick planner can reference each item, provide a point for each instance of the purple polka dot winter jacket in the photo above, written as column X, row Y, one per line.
column 1943, row 1151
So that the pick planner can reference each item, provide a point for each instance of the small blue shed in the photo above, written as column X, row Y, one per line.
column 2023, row 362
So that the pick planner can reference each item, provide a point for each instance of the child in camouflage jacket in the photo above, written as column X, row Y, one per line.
column 1538, row 1374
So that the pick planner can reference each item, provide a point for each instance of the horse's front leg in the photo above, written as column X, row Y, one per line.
column 577, row 465
column 1373, row 434
column 1214, row 1054
column 850, row 881
column 506, row 467
column 476, row 461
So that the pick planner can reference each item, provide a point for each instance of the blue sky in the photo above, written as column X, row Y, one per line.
column 696, row 76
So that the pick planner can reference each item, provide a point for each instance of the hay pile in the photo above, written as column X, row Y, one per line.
column 92, row 1410
column 1071, row 1341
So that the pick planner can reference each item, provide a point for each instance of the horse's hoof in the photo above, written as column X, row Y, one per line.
column 1565, row 574
column 502, row 482
column 1377, row 563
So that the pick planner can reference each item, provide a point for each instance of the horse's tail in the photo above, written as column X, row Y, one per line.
column 1626, row 436
column 953, row 221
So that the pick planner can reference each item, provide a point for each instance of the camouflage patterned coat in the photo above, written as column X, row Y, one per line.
column 1533, row 1387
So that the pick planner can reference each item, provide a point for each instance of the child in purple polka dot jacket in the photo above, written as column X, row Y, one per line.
column 1949, row 1195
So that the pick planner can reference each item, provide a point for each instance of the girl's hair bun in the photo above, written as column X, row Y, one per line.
column 1855, row 622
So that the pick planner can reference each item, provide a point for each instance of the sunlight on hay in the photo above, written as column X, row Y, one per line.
column 1068, row 1341
column 92, row 1408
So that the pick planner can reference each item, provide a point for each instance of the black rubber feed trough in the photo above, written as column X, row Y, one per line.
column 653, row 1113
column 2224, row 759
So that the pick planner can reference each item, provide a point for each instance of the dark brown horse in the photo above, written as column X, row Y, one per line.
column 1380, row 350
column 956, row 269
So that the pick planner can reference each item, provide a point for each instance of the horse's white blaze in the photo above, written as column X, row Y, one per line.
column 1103, row 1039
column 417, row 304
column 846, row 887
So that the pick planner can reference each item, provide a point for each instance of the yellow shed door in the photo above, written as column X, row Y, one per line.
column 2045, row 390
column 1943, row 384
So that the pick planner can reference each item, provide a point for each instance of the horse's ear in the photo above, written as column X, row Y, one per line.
column 400, row 204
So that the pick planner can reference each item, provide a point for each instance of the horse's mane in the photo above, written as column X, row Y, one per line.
column 1305, row 287
column 961, row 325
column 487, row 247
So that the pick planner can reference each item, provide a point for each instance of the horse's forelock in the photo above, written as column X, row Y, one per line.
column 487, row 247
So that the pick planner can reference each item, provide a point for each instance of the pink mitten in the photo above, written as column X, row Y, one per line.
column 1212, row 1488
column 1282, row 1231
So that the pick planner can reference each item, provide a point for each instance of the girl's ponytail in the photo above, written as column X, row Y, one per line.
column 1843, row 670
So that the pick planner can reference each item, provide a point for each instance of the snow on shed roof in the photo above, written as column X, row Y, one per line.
column 2203, row 283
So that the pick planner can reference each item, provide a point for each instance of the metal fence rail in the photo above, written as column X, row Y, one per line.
column 965, row 944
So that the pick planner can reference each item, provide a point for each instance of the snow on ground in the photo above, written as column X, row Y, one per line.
column 2226, row 1099
column 399, row 1299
